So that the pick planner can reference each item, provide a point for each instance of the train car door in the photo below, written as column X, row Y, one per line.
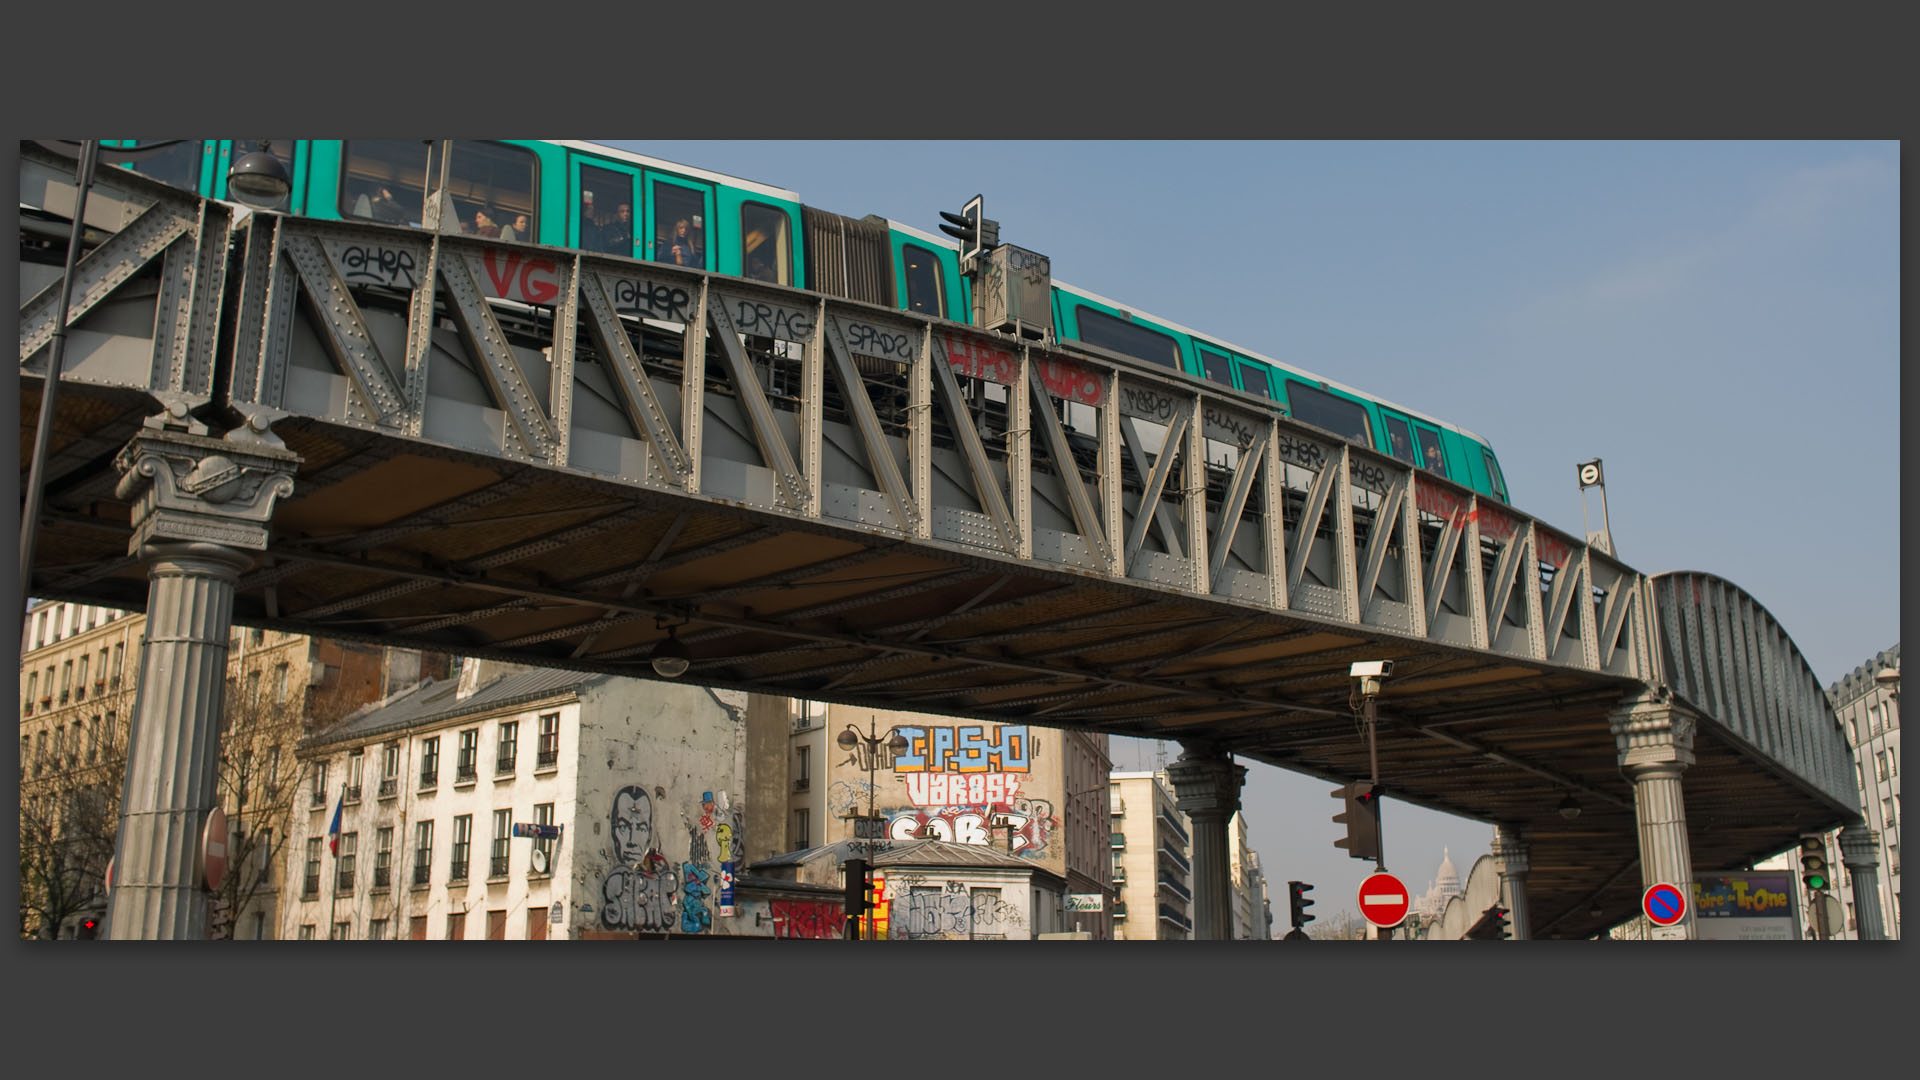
column 605, row 206
column 1430, row 448
column 1399, row 436
column 679, row 224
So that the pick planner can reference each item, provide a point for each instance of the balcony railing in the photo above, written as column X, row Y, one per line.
column 319, row 799
column 1119, row 840
column 1119, row 909
column 353, row 793
column 457, row 871
column 1175, row 916
column 429, row 779
column 465, row 774
column 422, row 873
column 547, row 759
column 1173, row 823
column 389, row 787
column 1177, row 889
column 504, row 766
column 382, row 877
column 312, row 886
column 802, row 784
column 498, row 866
column 343, row 881
column 1177, row 858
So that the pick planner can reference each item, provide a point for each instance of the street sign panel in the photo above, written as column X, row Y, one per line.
column 1384, row 900
column 213, row 848
column 1664, row 904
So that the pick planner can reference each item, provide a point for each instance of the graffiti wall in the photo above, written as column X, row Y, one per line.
column 958, row 909
column 659, row 839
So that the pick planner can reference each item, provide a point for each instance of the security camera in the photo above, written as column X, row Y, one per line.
column 1372, row 669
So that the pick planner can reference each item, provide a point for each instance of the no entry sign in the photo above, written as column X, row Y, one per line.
column 1664, row 904
column 1384, row 900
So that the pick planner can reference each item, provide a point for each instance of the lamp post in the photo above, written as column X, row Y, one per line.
column 896, row 745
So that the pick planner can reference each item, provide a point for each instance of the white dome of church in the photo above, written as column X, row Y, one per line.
column 1445, row 884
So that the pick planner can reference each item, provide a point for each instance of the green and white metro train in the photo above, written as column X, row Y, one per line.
column 596, row 198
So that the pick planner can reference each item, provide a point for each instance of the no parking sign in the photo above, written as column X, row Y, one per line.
column 1664, row 904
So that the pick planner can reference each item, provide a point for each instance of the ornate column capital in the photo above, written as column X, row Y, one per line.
column 1860, row 848
column 1206, row 782
column 185, row 487
column 1651, row 731
column 1510, row 851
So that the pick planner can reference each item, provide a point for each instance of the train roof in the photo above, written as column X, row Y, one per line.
column 1212, row 338
column 675, row 166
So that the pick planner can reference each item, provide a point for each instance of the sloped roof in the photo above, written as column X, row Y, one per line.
column 924, row 853
column 433, row 701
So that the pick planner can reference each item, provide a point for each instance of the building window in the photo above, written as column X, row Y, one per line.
column 259, row 926
column 280, row 684
column 306, row 931
column 509, row 742
column 389, row 770
column 497, row 925
column 40, row 754
column 422, row 852
column 1880, row 766
column 1890, row 811
column 263, row 843
column 343, row 860
column 430, row 763
column 803, row 776
column 466, row 766
column 1873, row 720
column 40, row 629
column 355, row 763
column 543, row 815
column 462, row 844
column 66, row 681
column 763, row 243
column 383, row 857
column 80, row 691
column 549, row 741
column 119, row 660
column 33, row 684
column 457, row 927
column 341, row 931
column 502, row 831
column 319, row 784
column 802, row 837
column 417, row 928
column 377, row 930
column 311, row 888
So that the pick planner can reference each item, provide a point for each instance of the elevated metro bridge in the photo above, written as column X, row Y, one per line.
column 562, row 458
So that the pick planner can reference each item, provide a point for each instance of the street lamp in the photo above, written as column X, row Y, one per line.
column 259, row 179
column 1569, row 808
column 896, row 745
column 670, row 658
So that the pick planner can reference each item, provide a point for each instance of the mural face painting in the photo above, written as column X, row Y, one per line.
column 640, row 891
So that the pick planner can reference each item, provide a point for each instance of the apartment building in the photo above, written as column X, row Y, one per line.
column 1150, row 846
column 1037, row 794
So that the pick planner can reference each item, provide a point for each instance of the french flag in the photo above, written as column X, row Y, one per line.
column 333, row 830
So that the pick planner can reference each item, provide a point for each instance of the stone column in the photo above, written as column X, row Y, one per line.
column 1510, row 855
column 1860, row 850
column 200, row 505
column 1654, row 739
column 1206, row 785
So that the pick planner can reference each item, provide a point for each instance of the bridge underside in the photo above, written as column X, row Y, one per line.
column 392, row 540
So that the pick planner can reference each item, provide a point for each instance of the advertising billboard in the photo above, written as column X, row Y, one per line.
column 1744, row 905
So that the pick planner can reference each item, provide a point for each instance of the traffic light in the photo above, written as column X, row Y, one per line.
column 1492, row 925
column 88, row 930
column 1362, row 819
column 1298, row 902
column 857, row 902
column 971, row 227
column 1813, row 862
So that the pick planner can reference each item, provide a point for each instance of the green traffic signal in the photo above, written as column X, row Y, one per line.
column 1813, row 862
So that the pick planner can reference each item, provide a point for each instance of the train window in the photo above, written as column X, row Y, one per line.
column 926, row 287
column 606, row 211
column 384, row 180
column 1430, row 450
column 387, row 180
column 1338, row 415
column 1216, row 367
column 763, row 243
column 1102, row 329
column 282, row 149
column 1255, row 381
column 680, row 229
column 1399, row 439
column 178, row 164
column 1493, row 471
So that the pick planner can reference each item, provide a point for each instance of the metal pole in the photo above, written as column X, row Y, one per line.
column 42, row 436
column 1373, row 758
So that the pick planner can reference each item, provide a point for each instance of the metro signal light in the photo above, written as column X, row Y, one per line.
column 857, row 888
column 1298, row 903
column 972, row 228
column 1362, row 819
column 1492, row 925
column 1813, row 863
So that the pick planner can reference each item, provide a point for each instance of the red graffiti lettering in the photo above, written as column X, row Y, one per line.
column 1552, row 550
column 1494, row 525
column 1440, row 502
column 513, row 277
column 814, row 919
column 1061, row 378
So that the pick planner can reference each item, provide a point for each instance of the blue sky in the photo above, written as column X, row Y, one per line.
column 1718, row 321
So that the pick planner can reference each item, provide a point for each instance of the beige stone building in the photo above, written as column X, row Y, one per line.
column 1151, row 859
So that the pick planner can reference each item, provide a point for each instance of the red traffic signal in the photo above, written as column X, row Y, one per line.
column 1362, row 819
column 88, row 930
